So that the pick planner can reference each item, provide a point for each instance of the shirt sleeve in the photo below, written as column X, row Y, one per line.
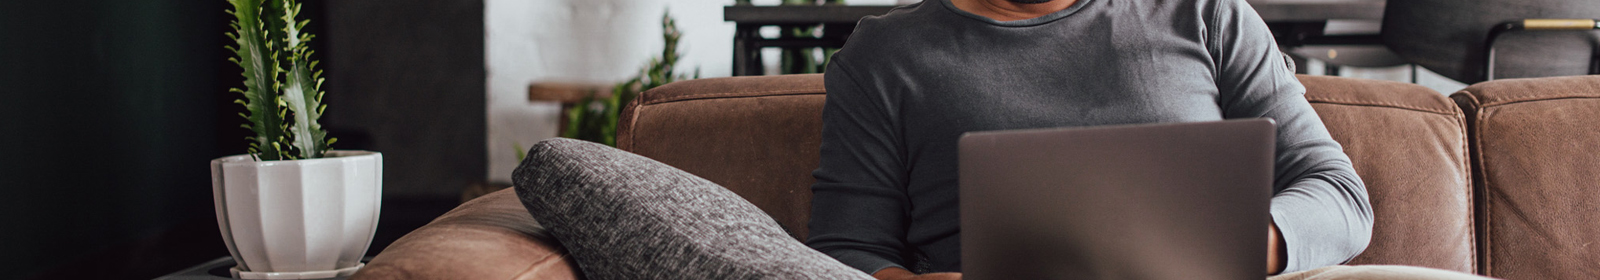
column 1319, row 203
column 858, row 206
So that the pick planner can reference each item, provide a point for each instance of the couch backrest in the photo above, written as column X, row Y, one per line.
column 760, row 137
column 1409, row 146
column 1536, row 145
column 757, row 136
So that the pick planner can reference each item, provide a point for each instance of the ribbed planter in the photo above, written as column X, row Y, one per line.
column 298, row 219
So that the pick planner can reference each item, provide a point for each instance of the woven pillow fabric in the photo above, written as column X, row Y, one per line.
column 624, row 216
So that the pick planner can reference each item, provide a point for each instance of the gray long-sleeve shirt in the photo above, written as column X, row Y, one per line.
column 909, row 83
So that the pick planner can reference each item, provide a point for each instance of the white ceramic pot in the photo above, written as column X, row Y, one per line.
column 298, row 219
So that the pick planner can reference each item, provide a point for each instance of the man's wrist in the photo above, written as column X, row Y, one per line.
column 891, row 273
column 1277, row 252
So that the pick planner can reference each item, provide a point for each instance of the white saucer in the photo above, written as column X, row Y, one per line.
column 295, row 275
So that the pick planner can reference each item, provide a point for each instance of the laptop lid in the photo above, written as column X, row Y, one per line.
column 1152, row 201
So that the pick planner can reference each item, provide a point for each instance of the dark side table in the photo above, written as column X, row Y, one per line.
column 837, row 21
column 217, row 270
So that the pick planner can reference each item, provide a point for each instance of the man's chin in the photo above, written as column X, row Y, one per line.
column 1029, row 1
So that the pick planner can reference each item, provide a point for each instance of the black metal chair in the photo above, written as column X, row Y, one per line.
column 1458, row 38
column 1538, row 25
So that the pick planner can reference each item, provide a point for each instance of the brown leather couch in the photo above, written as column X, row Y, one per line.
column 1503, row 180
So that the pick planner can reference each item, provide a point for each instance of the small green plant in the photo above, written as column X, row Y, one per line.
column 521, row 153
column 595, row 119
column 282, row 88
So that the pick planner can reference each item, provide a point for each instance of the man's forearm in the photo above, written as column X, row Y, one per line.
column 896, row 273
column 892, row 273
column 1277, row 253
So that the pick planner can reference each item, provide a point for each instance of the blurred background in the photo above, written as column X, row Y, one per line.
column 110, row 110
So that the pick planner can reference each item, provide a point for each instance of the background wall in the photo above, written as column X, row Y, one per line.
column 586, row 41
column 405, row 77
column 110, row 111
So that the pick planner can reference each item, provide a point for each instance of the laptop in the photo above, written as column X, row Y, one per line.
column 1150, row 201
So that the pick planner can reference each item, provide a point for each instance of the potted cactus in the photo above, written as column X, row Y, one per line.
column 290, row 208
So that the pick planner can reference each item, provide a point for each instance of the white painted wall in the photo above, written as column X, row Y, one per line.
column 591, row 41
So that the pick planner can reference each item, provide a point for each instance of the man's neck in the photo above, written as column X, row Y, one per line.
column 1003, row 10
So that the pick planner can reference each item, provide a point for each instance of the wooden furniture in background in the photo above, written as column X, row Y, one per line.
column 1294, row 22
column 567, row 94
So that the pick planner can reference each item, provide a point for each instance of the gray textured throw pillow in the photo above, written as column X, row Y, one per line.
column 624, row 216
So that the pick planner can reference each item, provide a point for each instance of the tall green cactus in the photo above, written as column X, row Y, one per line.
column 256, row 55
column 303, row 93
column 282, row 105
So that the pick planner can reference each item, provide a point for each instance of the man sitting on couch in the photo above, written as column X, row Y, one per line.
column 901, row 92
column 909, row 83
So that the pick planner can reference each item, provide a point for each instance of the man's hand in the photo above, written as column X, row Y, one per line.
column 1277, row 258
column 895, row 273
column 1277, row 253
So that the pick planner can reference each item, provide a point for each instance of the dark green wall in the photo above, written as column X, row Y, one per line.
column 110, row 109
column 108, row 113
column 416, row 66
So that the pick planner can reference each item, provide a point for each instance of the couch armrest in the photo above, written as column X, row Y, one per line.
column 492, row 237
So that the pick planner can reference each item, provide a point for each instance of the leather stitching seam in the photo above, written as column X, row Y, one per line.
column 1472, row 211
column 1378, row 104
column 1488, row 200
column 1387, row 104
column 1537, row 97
column 732, row 95
column 536, row 264
column 633, row 128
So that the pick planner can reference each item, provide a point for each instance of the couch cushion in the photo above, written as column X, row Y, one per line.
column 757, row 136
column 1537, row 146
column 1408, row 144
column 491, row 237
